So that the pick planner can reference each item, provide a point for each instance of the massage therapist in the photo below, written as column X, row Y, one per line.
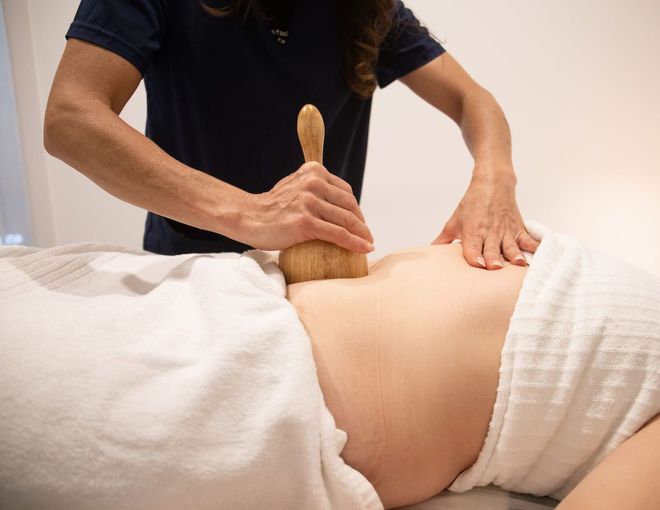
column 219, row 168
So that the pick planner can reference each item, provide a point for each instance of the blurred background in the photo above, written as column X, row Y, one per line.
column 578, row 82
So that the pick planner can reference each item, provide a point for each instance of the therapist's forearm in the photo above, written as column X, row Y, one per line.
column 91, row 138
column 488, row 137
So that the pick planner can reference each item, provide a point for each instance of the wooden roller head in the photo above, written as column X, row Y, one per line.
column 318, row 260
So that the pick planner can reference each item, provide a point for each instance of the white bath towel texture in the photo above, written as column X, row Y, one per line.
column 138, row 381
column 130, row 380
column 580, row 369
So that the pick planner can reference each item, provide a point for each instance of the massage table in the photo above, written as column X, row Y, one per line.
column 484, row 498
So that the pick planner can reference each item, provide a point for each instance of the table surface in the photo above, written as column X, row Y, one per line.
column 484, row 498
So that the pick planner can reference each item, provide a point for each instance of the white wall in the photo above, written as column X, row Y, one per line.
column 577, row 80
column 66, row 206
column 14, row 222
column 579, row 84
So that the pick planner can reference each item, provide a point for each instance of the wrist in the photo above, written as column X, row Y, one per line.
column 232, row 214
column 497, row 174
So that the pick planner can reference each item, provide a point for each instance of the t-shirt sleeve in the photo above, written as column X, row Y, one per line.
column 407, row 46
column 133, row 29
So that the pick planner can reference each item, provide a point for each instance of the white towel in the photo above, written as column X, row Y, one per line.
column 137, row 381
column 580, row 369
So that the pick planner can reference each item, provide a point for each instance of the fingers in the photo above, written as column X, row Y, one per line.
column 527, row 242
column 497, row 246
column 445, row 237
column 511, row 251
column 492, row 252
column 336, row 203
column 344, row 218
column 339, row 182
column 472, row 248
column 318, row 170
column 348, row 202
column 319, row 229
column 510, row 248
column 327, row 185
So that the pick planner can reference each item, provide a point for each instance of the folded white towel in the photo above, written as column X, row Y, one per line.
column 137, row 381
column 580, row 369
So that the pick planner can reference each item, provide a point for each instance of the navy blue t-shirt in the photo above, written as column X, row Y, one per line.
column 223, row 94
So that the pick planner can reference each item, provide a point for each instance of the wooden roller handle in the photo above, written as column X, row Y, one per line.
column 311, row 133
column 318, row 260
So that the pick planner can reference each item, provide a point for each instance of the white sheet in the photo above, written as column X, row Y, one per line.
column 579, row 372
column 137, row 381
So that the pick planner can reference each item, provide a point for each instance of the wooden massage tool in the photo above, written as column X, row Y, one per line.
column 316, row 259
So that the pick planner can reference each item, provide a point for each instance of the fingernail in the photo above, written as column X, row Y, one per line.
column 498, row 263
column 520, row 258
column 371, row 247
column 481, row 261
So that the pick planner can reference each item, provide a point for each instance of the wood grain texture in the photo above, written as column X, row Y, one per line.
column 311, row 133
column 316, row 259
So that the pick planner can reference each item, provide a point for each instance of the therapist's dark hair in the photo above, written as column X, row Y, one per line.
column 364, row 26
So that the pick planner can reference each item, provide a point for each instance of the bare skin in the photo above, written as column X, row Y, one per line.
column 626, row 479
column 487, row 219
column 408, row 361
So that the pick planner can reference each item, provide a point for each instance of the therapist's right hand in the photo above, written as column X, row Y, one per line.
column 311, row 203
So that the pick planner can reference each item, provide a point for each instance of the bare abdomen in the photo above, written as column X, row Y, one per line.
column 408, row 360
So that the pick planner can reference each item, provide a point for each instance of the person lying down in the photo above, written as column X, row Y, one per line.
column 132, row 380
column 438, row 386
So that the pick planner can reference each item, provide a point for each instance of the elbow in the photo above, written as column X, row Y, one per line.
column 49, row 139
column 62, row 124
column 54, row 129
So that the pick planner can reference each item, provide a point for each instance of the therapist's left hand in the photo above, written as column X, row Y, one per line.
column 489, row 224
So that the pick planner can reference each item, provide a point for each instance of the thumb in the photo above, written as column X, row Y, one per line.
column 445, row 237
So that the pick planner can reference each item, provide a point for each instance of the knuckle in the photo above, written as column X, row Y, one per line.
column 311, row 168
column 492, row 243
column 313, row 183
column 473, row 244
column 343, row 235
column 510, row 246
column 307, row 199
column 319, row 184
column 483, row 224
column 349, row 202
column 306, row 224
column 349, row 219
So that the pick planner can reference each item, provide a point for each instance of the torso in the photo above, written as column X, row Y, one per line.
column 408, row 362
column 206, row 91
